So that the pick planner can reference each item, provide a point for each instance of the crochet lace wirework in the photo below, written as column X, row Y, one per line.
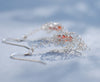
column 58, row 45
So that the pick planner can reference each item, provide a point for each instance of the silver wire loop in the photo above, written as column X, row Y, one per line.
column 9, row 41
column 12, row 56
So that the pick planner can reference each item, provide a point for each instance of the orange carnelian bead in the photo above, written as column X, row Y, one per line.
column 59, row 27
column 63, row 36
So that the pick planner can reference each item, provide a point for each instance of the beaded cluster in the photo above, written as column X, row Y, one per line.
column 68, row 42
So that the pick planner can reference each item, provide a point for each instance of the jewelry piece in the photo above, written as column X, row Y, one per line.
column 59, row 44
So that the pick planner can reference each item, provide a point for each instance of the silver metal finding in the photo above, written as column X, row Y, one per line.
column 61, row 41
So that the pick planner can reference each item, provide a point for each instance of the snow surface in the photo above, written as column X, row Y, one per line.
column 78, row 16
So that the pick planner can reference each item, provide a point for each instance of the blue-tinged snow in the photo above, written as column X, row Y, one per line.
column 19, row 17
